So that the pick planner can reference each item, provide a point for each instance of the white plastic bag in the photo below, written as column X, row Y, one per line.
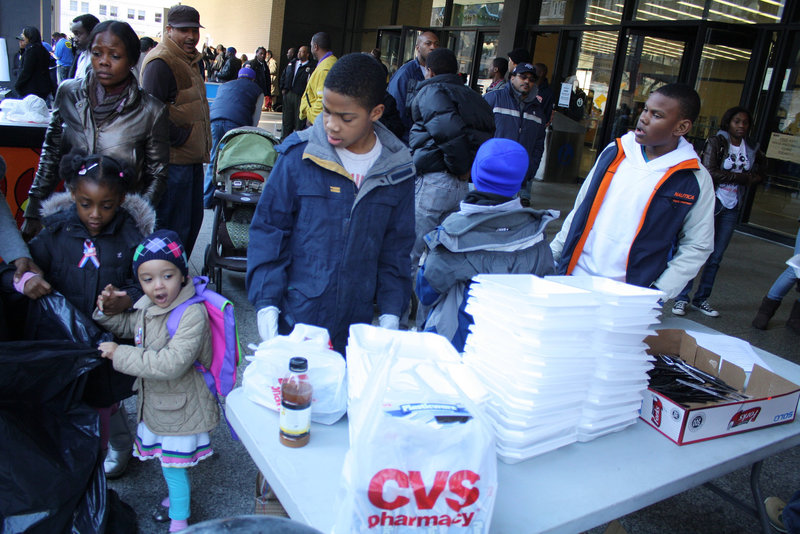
column 29, row 109
column 423, row 458
column 326, row 371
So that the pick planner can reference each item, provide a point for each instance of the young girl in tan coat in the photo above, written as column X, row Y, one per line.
column 176, row 411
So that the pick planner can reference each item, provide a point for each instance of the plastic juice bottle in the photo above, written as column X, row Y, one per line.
column 295, row 420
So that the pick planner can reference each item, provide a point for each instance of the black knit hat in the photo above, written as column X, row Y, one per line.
column 520, row 55
column 161, row 245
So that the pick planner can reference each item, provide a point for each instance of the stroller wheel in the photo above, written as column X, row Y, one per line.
column 204, row 270
column 218, row 279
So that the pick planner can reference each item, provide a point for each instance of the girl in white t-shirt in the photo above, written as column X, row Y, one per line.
column 734, row 164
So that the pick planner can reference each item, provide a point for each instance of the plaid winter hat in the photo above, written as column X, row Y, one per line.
column 161, row 245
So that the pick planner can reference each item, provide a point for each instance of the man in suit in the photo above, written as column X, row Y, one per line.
column 293, row 86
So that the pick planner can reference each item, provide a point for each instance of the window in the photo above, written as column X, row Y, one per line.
column 141, row 15
column 470, row 13
column 588, row 12
column 113, row 12
column 131, row 14
column 84, row 7
column 721, row 10
column 158, row 17
column 73, row 5
column 103, row 9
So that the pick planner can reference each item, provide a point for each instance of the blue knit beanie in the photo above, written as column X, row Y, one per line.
column 247, row 72
column 499, row 167
column 161, row 245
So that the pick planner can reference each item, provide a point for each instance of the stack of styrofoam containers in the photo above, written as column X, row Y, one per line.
column 531, row 344
column 624, row 316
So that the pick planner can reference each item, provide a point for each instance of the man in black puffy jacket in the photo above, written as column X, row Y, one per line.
column 451, row 121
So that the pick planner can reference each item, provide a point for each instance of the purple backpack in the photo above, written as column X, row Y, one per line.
column 221, row 376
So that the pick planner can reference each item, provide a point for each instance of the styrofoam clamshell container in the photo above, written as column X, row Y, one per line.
column 622, row 336
column 595, row 413
column 620, row 419
column 612, row 290
column 525, row 286
column 607, row 365
column 515, row 455
column 526, row 311
column 584, row 435
column 606, row 399
column 525, row 438
column 541, row 346
column 607, row 322
column 612, row 401
column 510, row 417
column 516, row 320
column 614, row 379
column 623, row 354
column 531, row 396
column 530, row 367
column 606, row 388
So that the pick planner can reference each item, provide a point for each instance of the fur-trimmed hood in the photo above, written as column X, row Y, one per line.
column 137, row 207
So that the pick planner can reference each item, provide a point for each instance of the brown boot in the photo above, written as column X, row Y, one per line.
column 793, row 323
column 765, row 313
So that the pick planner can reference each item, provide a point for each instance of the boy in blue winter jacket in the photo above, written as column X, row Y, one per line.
column 333, row 230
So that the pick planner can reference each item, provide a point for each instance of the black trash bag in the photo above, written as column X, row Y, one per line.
column 54, row 317
column 50, row 452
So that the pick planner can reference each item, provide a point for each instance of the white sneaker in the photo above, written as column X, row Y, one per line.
column 679, row 308
column 706, row 308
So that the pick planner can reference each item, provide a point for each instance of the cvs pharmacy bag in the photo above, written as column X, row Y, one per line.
column 424, row 458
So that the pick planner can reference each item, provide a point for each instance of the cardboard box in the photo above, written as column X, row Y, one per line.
column 773, row 398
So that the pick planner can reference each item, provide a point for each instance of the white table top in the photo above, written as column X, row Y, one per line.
column 571, row 489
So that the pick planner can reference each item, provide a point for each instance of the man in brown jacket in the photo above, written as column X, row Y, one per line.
column 172, row 72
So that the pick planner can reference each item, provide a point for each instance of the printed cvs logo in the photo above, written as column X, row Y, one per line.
column 390, row 489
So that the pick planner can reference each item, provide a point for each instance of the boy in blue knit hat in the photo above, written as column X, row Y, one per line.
column 491, row 233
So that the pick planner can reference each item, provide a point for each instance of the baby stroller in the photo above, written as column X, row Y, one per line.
column 244, row 160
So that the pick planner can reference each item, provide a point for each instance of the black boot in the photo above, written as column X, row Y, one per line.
column 765, row 312
column 794, row 318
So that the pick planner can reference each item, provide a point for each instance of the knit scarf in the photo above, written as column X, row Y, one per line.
column 104, row 104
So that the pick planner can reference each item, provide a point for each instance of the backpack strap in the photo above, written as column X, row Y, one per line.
column 174, row 319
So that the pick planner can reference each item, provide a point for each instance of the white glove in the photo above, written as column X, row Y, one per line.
column 387, row 320
column 267, row 320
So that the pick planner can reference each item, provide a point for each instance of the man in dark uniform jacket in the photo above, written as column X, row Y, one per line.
column 293, row 86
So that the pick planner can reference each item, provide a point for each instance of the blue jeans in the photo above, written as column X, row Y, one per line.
column 724, row 224
column 219, row 127
column 786, row 280
column 181, row 207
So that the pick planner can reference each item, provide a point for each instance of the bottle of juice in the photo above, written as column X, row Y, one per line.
column 295, row 421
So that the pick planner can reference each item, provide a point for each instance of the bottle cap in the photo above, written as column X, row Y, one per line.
column 298, row 364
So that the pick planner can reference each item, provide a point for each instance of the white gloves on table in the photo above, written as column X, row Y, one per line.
column 267, row 320
column 392, row 322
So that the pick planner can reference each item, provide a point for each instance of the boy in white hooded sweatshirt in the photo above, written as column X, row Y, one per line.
column 645, row 213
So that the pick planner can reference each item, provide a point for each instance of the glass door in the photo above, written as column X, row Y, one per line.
column 776, row 205
column 651, row 62
column 488, row 52
column 721, row 76
column 390, row 49
column 462, row 42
